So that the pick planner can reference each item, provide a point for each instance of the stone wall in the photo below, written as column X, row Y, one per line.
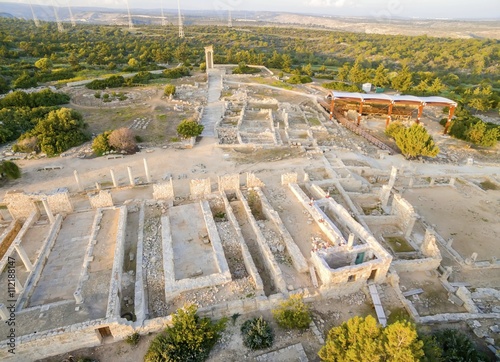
column 229, row 182
column 298, row 260
column 140, row 306
column 101, row 199
column 254, row 181
column 59, row 202
column 405, row 212
column 9, row 235
column 19, row 204
column 247, row 257
column 289, row 178
column 270, row 262
column 164, row 191
column 113, row 309
column 200, row 188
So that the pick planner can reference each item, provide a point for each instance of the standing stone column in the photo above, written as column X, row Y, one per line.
column 130, row 177
column 146, row 169
column 78, row 183
column 48, row 211
column 209, row 55
column 24, row 257
column 113, row 178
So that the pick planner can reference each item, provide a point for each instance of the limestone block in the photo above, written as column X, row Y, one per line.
column 200, row 187
column 101, row 199
column 164, row 191
column 289, row 178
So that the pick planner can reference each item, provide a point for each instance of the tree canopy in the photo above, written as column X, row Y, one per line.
column 413, row 141
column 362, row 339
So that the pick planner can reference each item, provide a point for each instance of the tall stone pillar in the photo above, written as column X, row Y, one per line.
column 209, row 55
column 130, row 177
column 113, row 178
column 48, row 211
column 78, row 183
column 24, row 257
column 146, row 169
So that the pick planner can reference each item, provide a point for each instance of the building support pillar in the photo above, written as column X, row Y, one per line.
column 146, row 169
column 113, row 178
column 78, row 183
column 48, row 211
column 130, row 177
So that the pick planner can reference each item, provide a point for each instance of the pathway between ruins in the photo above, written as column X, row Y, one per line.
column 213, row 111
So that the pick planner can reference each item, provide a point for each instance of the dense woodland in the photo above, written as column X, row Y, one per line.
column 466, row 70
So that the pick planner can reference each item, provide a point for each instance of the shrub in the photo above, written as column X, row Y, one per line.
column 257, row 334
column 100, row 145
column 293, row 313
column 189, row 128
column 456, row 346
column 58, row 131
column 122, row 139
column 242, row 68
column 133, row 339
column 169, row 90
column 299, row 79
column 175, row 73
column 9, row 170
column 413, row 141
column 189, row 339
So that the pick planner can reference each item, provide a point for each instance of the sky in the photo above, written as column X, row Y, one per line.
column 381, row 9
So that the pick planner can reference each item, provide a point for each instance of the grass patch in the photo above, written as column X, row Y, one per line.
column 255, row 205
column 399, row 244
column 488, row 185
column 314, row 122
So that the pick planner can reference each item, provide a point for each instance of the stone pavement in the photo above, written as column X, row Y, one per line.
column 214, row 110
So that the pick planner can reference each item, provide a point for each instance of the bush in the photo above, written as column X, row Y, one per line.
column 122, row 139
column 169, row 90
column 114, row 81
column 100, row 145
column 457, row 347
column 293, row 313
column 9, row 170
column 189, row 128
column 299, row 79
column 257, row 334
column 413, row 141
column 58, row 131
column 242, row 68
column 189, row 339
column 342, row 86
column 133, row 339
column 175, row 73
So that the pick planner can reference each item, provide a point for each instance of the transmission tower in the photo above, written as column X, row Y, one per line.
column 163, row 20
column 72, row 19
column 58, row 21
column 35, row 19
column 130, row 23
column 181, row 25
column 229, row 20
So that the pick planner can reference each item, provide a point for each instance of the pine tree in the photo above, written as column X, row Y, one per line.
column 381, row 79
column 403, row 80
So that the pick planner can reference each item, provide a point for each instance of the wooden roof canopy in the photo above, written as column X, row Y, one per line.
column 393, row 100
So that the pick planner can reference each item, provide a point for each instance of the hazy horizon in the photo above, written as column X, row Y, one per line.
column 378, row 9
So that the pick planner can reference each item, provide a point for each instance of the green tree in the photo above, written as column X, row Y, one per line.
column 343, row 73
column 479, row 133
column 169, row 90
column 381, row 79
column 293, row 313
column 9, row 170
column 307, row 70
column 4, row 85
column 43, row 64
column 457, row 347
column 189, row 339
column 100, row 145
column 58, row 131
column 437, row 86
column 362, row 339
column 357, row 73
column 25, row 80
column 189, row 128
column 286, row 63
column 402, row 82
column 413, row 141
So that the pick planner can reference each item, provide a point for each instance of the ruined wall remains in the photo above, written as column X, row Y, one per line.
column 298, row 260
column 247, row 257
column 200, row 187
column 19, row 204
column 164, row 191
column 139, row 296
column 229, row 182
column 59, row 202
column 429, row 249
column 289, row 178
column 254, row 181
column 9, row 235
column 227, row 135
column 101, row 199
column 405, row 212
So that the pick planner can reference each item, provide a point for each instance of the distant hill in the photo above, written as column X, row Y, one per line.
column 96, row 15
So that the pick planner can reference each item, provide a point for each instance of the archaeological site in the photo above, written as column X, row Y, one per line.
column 276, row 197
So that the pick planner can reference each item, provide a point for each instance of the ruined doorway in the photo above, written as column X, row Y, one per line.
column 104, row 334
column 373, row 274
column 360, row 258
column 40, row 208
